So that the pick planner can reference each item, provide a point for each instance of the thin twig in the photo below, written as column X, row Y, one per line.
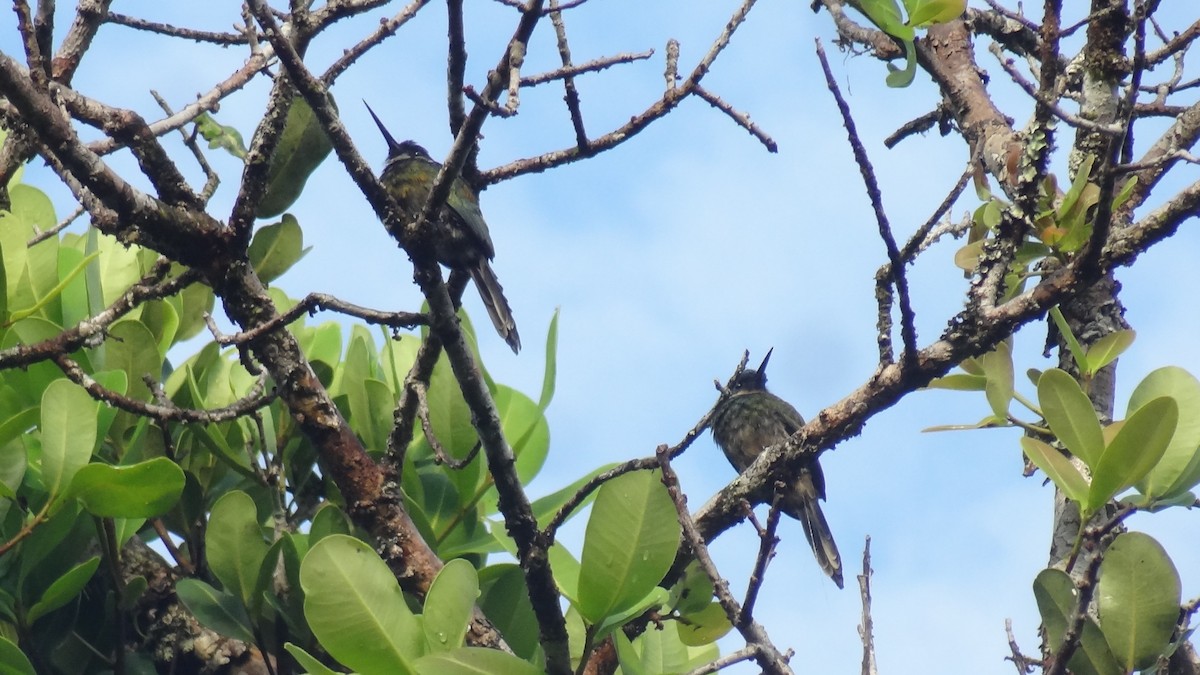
column 254, row 400
column 866, row 630
column 743, row 120
column 768, row 657
column 767, row 541
column 1024, row 664
column 908, row 331
column 311, row 304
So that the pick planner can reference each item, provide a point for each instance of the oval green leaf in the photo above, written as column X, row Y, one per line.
column 355, row 608
column 64, row 589
column 705, row 627
column 235, row 544
column 1070, row 415
column 449, row 606
column 1138, row 597
column 998, row 369
column 1055, row 595
column 276, row 247
column 1057, row 468
column 1179, row 469
column 630, row 543
column 1106, row 350
column 506, row 603
column 143, row 490
column 68, row 423
column 302, row 147
column 217, row 610
column 1135, row 450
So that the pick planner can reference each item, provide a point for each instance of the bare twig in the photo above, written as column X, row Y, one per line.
column 1024, row 664
column 743, row 120
column 770, row 659
column 593, row 66
column 767, row 541
column 899, row 279
column 224, row 39
column 312, row 303
column 254, row 400
column 866, row 630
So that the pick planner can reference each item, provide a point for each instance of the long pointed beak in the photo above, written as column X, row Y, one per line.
column 393, row 146
column 762, row 368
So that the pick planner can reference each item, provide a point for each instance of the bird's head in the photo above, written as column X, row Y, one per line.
column 753, row 379
column 401, row 149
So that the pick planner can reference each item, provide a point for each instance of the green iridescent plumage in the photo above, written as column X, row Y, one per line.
column 753, row 419
column 462, row 239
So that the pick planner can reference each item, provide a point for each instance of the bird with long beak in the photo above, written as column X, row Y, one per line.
column 751, row 419
column 461, row 240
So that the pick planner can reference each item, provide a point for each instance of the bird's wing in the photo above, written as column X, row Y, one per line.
column 464, row 204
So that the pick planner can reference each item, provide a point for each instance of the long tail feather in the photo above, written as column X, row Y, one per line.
column 803, row 505
column 496, row 304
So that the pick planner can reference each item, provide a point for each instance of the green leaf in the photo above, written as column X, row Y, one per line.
column 1070, row 415
column 899, row 78
column 1135, row 450
column 217, row 610
column 923, row 13
column 551, row 374
column 959, row 382
column 1077, row 185
column 998, row 369
column 1179, row 469
column 134, row 349
column 631, row 539
column 628, row 656
column 1057, row 468
column 705, row 626
column 1138, row 599
column 68, row 433
column 64, row 589
column 656, row 599
column 355, row 608
column 1055, row 595
column 235, row 545
column 302, row 147
column 474, row 661
column 1106, row 350
column 276, row 247
column 1125, row 193
column 449, row 606
column 12, row 660
column 885, row 14
column 53, row 293
column 329, row 520
column 566, row 571
column 1064, row 328
column 505, row 602
column 546, row 507
column 693, row 592
column 219, row 136
column 307, row 661
column 143, row 490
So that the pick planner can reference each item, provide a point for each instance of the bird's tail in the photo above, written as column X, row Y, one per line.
column 803, row 505
column 496, row 304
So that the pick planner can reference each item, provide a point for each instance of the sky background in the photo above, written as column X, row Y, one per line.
column 672, row 254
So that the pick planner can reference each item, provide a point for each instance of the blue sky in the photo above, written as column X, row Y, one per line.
column 671, row 254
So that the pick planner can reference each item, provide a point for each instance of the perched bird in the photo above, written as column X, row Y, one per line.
column 462, row 240
column 752, row 419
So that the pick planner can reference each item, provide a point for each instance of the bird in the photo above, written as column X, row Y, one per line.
column 461, row 240
column 751, row 419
